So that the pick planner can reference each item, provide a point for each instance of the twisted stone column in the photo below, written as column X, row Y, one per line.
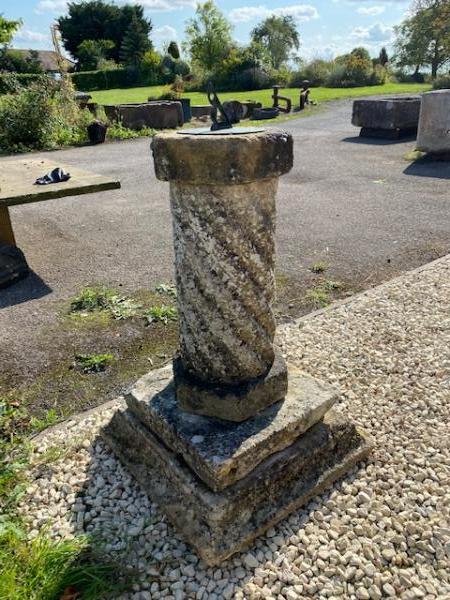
column 222, row 190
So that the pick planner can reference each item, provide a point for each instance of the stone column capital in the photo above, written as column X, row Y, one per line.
column 222, row 159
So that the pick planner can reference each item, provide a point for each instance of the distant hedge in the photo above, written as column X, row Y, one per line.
column 10, row 81
column 87, row 81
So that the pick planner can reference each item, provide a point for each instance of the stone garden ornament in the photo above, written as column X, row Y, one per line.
column 229, row 439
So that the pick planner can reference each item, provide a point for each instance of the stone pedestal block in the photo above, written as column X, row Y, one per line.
column 434, row 124
column 223, row 485
column 388, row 118
column 222, row 192
column 230, row 440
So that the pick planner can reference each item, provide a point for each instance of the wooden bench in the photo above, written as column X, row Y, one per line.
column 17, row 177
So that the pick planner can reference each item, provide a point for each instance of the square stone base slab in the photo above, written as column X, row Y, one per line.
column 222, row 452
column 219, row 524
column 231, row 403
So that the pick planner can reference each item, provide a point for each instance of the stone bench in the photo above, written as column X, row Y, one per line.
column 388, row 118
column 155, row 114
column 17, row 179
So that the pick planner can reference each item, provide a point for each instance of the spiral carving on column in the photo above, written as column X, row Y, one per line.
column 224, row 257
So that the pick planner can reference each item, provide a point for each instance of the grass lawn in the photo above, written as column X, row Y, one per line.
column 320, row 94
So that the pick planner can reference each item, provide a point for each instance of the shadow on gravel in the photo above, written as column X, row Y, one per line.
column 377, row 141
column 30, row 288
column 429, row 167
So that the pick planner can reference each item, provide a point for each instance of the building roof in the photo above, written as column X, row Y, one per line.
column 47, row 58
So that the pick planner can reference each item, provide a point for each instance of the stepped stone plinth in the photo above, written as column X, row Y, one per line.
column 229, row 440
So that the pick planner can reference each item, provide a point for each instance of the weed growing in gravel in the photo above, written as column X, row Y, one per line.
column 167, row 289
column 320, row 295
column 93, row 363
column 39, row 569
column 162, row 313
column 319, row 267
column 101, row 299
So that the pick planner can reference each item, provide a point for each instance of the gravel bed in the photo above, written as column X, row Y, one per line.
column 382, row 531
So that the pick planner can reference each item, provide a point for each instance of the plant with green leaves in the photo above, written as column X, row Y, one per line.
column 161, row 314
column 135, row 44
column 93, row 299
column 8, row 29
column 91, row 53
column 93, row 363
column 208, row 36
column 279, row 35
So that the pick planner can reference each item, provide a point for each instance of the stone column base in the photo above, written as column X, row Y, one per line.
column 222, row 484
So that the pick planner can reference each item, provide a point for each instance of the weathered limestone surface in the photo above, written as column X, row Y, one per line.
column 222, row 452
column 222, row 159
column 222, row 191
column 434, row 125
column 231, row 402
column 219, row 524
column 224, row 267
column 157, row 114
column 386, row 113
column 226, row 446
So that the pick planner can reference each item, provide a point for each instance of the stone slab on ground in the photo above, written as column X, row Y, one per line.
column 219, row 524
column 18, row 175
column 386, row 113
column 222, row 452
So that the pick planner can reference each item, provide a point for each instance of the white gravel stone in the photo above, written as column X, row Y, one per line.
column 382, row 531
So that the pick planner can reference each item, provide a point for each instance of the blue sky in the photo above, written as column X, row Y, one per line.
column 327, row 27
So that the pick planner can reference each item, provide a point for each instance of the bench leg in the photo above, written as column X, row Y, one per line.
column 6, row 230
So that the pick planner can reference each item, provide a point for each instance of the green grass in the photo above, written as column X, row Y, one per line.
column 320, row 94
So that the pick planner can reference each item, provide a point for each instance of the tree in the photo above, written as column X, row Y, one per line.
column 99, row 20
column 8, row 29
column 92, row 52
column 279, row 35
column 15, row 61
column 173, row 50
column 208, row 36
column 383, row 57
column 135, row 44
column 423, row 39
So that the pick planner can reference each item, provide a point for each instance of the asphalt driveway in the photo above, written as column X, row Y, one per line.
column 356, row 205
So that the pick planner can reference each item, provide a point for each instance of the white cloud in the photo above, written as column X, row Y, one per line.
column 300, row 12
column 27, row 35
column 150, row 5
column 370, row 10
column 51, row 6
column 374, row 33
column 163, row 5
column 164, row 34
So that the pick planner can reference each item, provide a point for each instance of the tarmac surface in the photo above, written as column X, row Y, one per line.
column 355, row 203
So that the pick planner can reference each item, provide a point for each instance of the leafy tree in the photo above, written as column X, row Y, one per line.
column 423, row 39
column 135, row 44
column 99, row 20
column 362, row 53
column 8, row 29
column 208, row 36
column 92, row 52
column 16, row 62
column 383, row 57
column 279, row 36
column 173, row 50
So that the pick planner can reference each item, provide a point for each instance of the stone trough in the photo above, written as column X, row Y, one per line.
column 387, row 118
column 156, row 114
